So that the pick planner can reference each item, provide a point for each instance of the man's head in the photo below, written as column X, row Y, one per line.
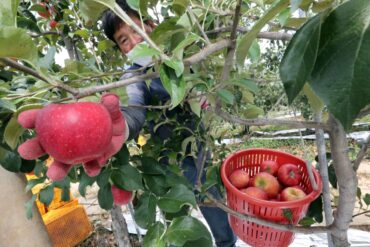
column 119, row 32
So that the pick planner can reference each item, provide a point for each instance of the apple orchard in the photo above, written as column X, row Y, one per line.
column 235, row 54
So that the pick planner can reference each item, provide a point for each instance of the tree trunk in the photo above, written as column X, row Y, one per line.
column 347, row 183
column 15, row 229
column 120, row 227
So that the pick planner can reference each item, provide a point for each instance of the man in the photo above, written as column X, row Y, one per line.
column 141, row 94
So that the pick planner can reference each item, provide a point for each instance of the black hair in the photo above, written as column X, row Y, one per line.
column 111, row 22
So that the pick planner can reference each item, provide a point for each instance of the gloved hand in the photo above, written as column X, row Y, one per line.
column 85, row 133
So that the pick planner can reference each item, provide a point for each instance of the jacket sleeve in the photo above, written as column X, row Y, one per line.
column 138, row 94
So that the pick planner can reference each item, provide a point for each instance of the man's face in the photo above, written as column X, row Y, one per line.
column 127, row 38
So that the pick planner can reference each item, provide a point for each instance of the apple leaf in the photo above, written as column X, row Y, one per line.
column 145, row 210
column 16, row 43
column 153, row 237
column 127, row 178
column 47, row 195
column 247, row 40
column 307, row 221
column 7, row 105
column 11, row 161
column 12, row 132
column 300, row 56
column 188, row 231
column 105, row 197
column 29, row 206
column 174, row 85
column 341, row 73
column 85, row 181
column 175, row 198
column 367, row 199
column 8, row 13
column 156, row 184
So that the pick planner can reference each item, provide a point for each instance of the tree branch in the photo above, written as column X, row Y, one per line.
column 292, row 228
column 208, row 50
column 34, row 73
column 361, row 154
column 36, row 35
column 261, row 35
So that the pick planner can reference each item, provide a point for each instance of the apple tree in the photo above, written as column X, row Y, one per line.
column 212, row 49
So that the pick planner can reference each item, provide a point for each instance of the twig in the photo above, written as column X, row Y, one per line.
column 361, row 154
column 365, row 212
column 34, row 73
column 216, row 11
column 36, row 35
column 195, row 19
column 261, row 35
column 292, row 228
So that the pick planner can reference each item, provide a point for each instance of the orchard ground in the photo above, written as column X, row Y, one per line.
column 101, row 220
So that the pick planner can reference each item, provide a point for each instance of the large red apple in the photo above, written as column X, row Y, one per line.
column 121, row 197
column 289, row 174
column 269, row 166
column 255, row 193
column 74, row 133
column 268, row 183
column 239, row 178
column 291, row 194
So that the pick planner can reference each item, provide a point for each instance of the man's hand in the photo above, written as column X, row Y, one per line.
column 78, row 133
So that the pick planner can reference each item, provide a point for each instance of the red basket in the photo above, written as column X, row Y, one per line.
column 256, row 234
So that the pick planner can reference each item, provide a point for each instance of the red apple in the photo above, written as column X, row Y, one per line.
column 268, row 183
column 289, row 175
column 292, row 193
column 74, row 133
column 53, row 24
column 121, row 197
column 239, row 178
column 269, row 166
column 45, row 12
column 255, row 193
column 251, row 182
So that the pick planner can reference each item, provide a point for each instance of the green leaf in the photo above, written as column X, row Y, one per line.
column 143, row 50
column 188, row 229
column 247, row 40
column 91, row 10
column 341, row 73
column 367, row 199
column 212, row 177
column 27, row 166
column 66, row 194
column 307, row 221
column 226, row 96
column 288, row 214
column 145, row 211
column 164, row 31
column 156, row 184
column 15, row 42
column 103, row 178
column 5, row 104
column 284, row 16
column 315, row 102
column 122, row 157
column 84, row 33
column 128, row 178
column 10, row 160
column 48, row 60
column 47, row 195
column 105, row 197
column 175, row 198
column 254, row 52
column 29, row 205
column 252, row 111
column 174, row 85
column 321, row 5
column 8, row 13
column 151, row 166
column 195, row 106
column 246, row 83
column 179, row 6
column 12, row 132
column 33, row 182
column 85, row 181
column 179, row 50
column 300, row 56
column 134, row 4
column 176, row 65
column 153, row 237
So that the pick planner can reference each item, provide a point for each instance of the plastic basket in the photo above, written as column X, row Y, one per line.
column 256, row 234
